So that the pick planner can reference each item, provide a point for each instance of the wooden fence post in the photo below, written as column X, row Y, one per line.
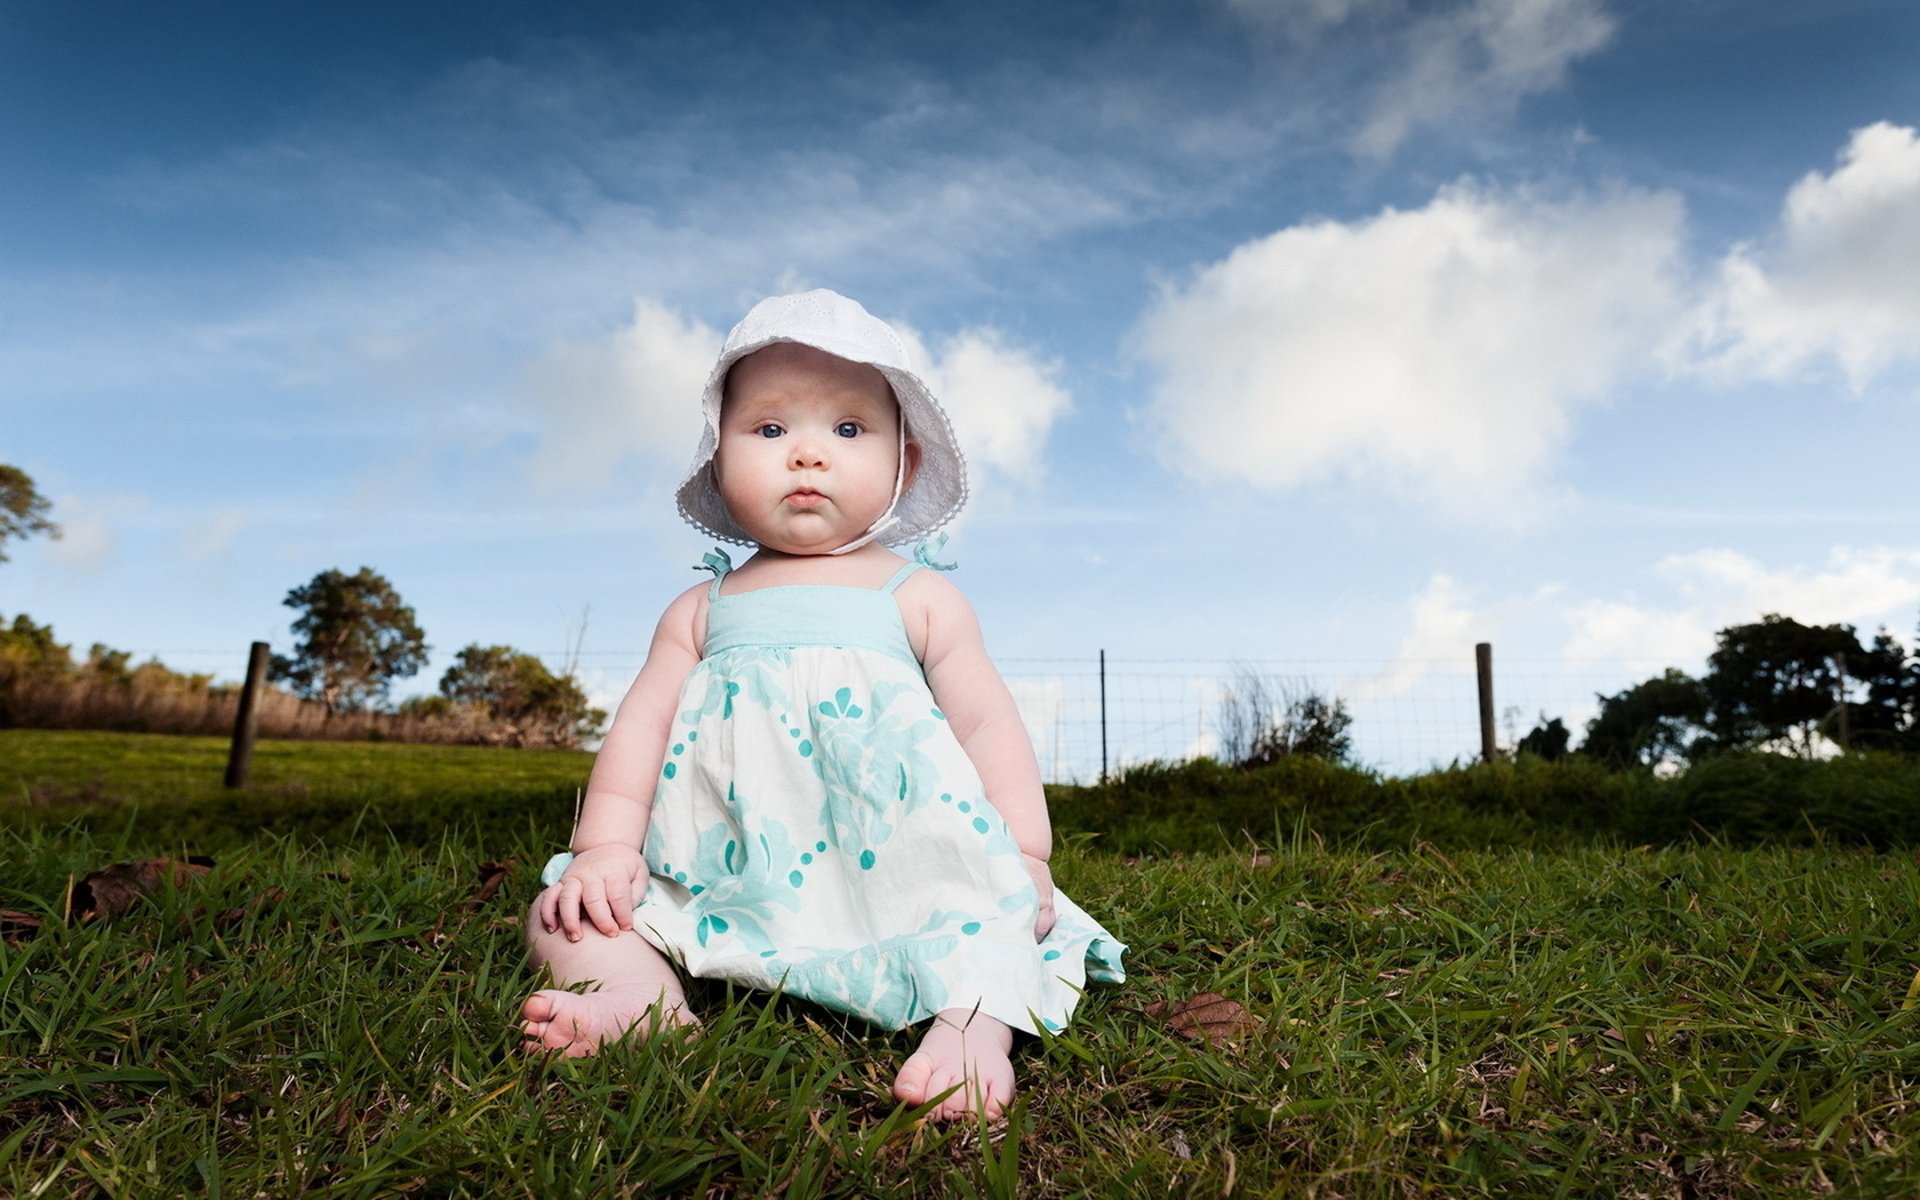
column 1483, row 661
column 246, row 722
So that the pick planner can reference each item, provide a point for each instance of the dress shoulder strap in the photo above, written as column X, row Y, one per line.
column 715, row 560
column 899, row 577
column 923, row 556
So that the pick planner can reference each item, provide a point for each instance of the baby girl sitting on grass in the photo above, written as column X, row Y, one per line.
column 818, row 783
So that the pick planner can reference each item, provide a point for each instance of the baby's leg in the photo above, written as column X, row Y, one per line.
column 964, row 1049
column 636, row 983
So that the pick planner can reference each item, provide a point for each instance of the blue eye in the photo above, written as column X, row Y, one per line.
column 847, row 429
column 769, row 430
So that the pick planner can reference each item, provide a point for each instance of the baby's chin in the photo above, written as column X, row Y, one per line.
column 802, row 542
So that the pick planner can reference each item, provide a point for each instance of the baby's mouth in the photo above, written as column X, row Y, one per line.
column 805, row 498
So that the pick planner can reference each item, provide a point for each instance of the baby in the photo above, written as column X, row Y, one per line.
column 818, row 783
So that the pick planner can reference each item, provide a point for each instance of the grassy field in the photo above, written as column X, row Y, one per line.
column 335, row 1013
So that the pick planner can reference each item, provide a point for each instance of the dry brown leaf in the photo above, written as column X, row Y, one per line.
column 492, row 875
column 113, row 890
column 1208, row 1017
column 17, row 924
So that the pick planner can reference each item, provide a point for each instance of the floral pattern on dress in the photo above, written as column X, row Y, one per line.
column 817, row 827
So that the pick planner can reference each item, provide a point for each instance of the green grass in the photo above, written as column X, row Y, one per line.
column 166, row 790
column 1697, row 1021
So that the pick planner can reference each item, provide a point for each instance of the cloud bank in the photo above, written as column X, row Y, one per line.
column 1439, row 352
column 1715, row 588
column 1838, row 280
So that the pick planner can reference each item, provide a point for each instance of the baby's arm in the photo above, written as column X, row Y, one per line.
column 608, row 873
column 981, row 712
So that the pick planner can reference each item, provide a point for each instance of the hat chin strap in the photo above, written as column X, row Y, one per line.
column 886, row 520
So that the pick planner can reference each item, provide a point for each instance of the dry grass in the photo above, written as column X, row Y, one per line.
column 165, row 702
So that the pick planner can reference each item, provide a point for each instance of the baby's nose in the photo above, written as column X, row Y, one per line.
column 809, row 451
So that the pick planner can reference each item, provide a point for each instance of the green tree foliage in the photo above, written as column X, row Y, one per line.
column 30, row 649
column 356, row 638
column 1776, row 682
column 1548, row 740
column 23, row 510
column 1889, row 716
column 1648, row 723
column 517, row 688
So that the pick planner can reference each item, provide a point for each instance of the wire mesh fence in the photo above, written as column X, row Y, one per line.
column 1407, row 715
column 1085, row 716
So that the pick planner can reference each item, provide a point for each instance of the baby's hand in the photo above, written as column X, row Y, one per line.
column 1042, row 877
column 600, row 882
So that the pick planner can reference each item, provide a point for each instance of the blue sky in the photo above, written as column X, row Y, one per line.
column 1327, row 335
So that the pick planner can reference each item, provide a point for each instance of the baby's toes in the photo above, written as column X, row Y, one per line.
column 960, row 1089
column 910, row 1086
column 995, row 1095
column 539, row 1008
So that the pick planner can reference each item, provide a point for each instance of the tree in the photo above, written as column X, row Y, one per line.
column 518, row 689
column 23, row 510
column 1889, row 718
column 1548, row 740
column 1648, row 723
column 1260, row 722
column 29, row 649
column 1776, row 681
column 357, row 637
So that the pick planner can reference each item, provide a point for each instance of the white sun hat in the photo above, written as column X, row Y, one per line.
column 829, row 321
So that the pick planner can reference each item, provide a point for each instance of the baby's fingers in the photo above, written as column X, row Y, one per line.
column 599, row 909
column 547, row 908
column 569, row 905
column 620, row 901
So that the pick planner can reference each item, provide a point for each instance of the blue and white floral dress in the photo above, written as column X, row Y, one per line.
column 818, row 829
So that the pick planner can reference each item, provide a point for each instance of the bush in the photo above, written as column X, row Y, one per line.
column 1739, row 799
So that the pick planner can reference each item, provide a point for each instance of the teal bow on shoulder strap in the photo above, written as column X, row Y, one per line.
column 717, row 561
column 924, row 551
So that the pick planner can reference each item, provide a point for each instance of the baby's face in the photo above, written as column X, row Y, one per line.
column 809, row 446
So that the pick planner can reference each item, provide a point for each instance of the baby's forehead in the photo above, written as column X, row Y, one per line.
column 786, row 370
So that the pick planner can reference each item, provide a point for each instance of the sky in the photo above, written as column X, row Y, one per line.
column 1320, row 339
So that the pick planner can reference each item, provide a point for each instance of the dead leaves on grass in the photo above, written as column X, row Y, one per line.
column 1209, row 1017
column 492, row 875
column 113, row 890
column 16, row 925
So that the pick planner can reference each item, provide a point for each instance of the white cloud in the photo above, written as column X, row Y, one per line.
column 1443, row 627
column 1716, row 588
column 1003, row 400
column 89, row 529
column 632, row 394
column 1477, row 58
column 1838, row 280
column 1440, row 352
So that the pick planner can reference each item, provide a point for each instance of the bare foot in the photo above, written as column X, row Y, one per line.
column 967, row 1051
column 580, row 1023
